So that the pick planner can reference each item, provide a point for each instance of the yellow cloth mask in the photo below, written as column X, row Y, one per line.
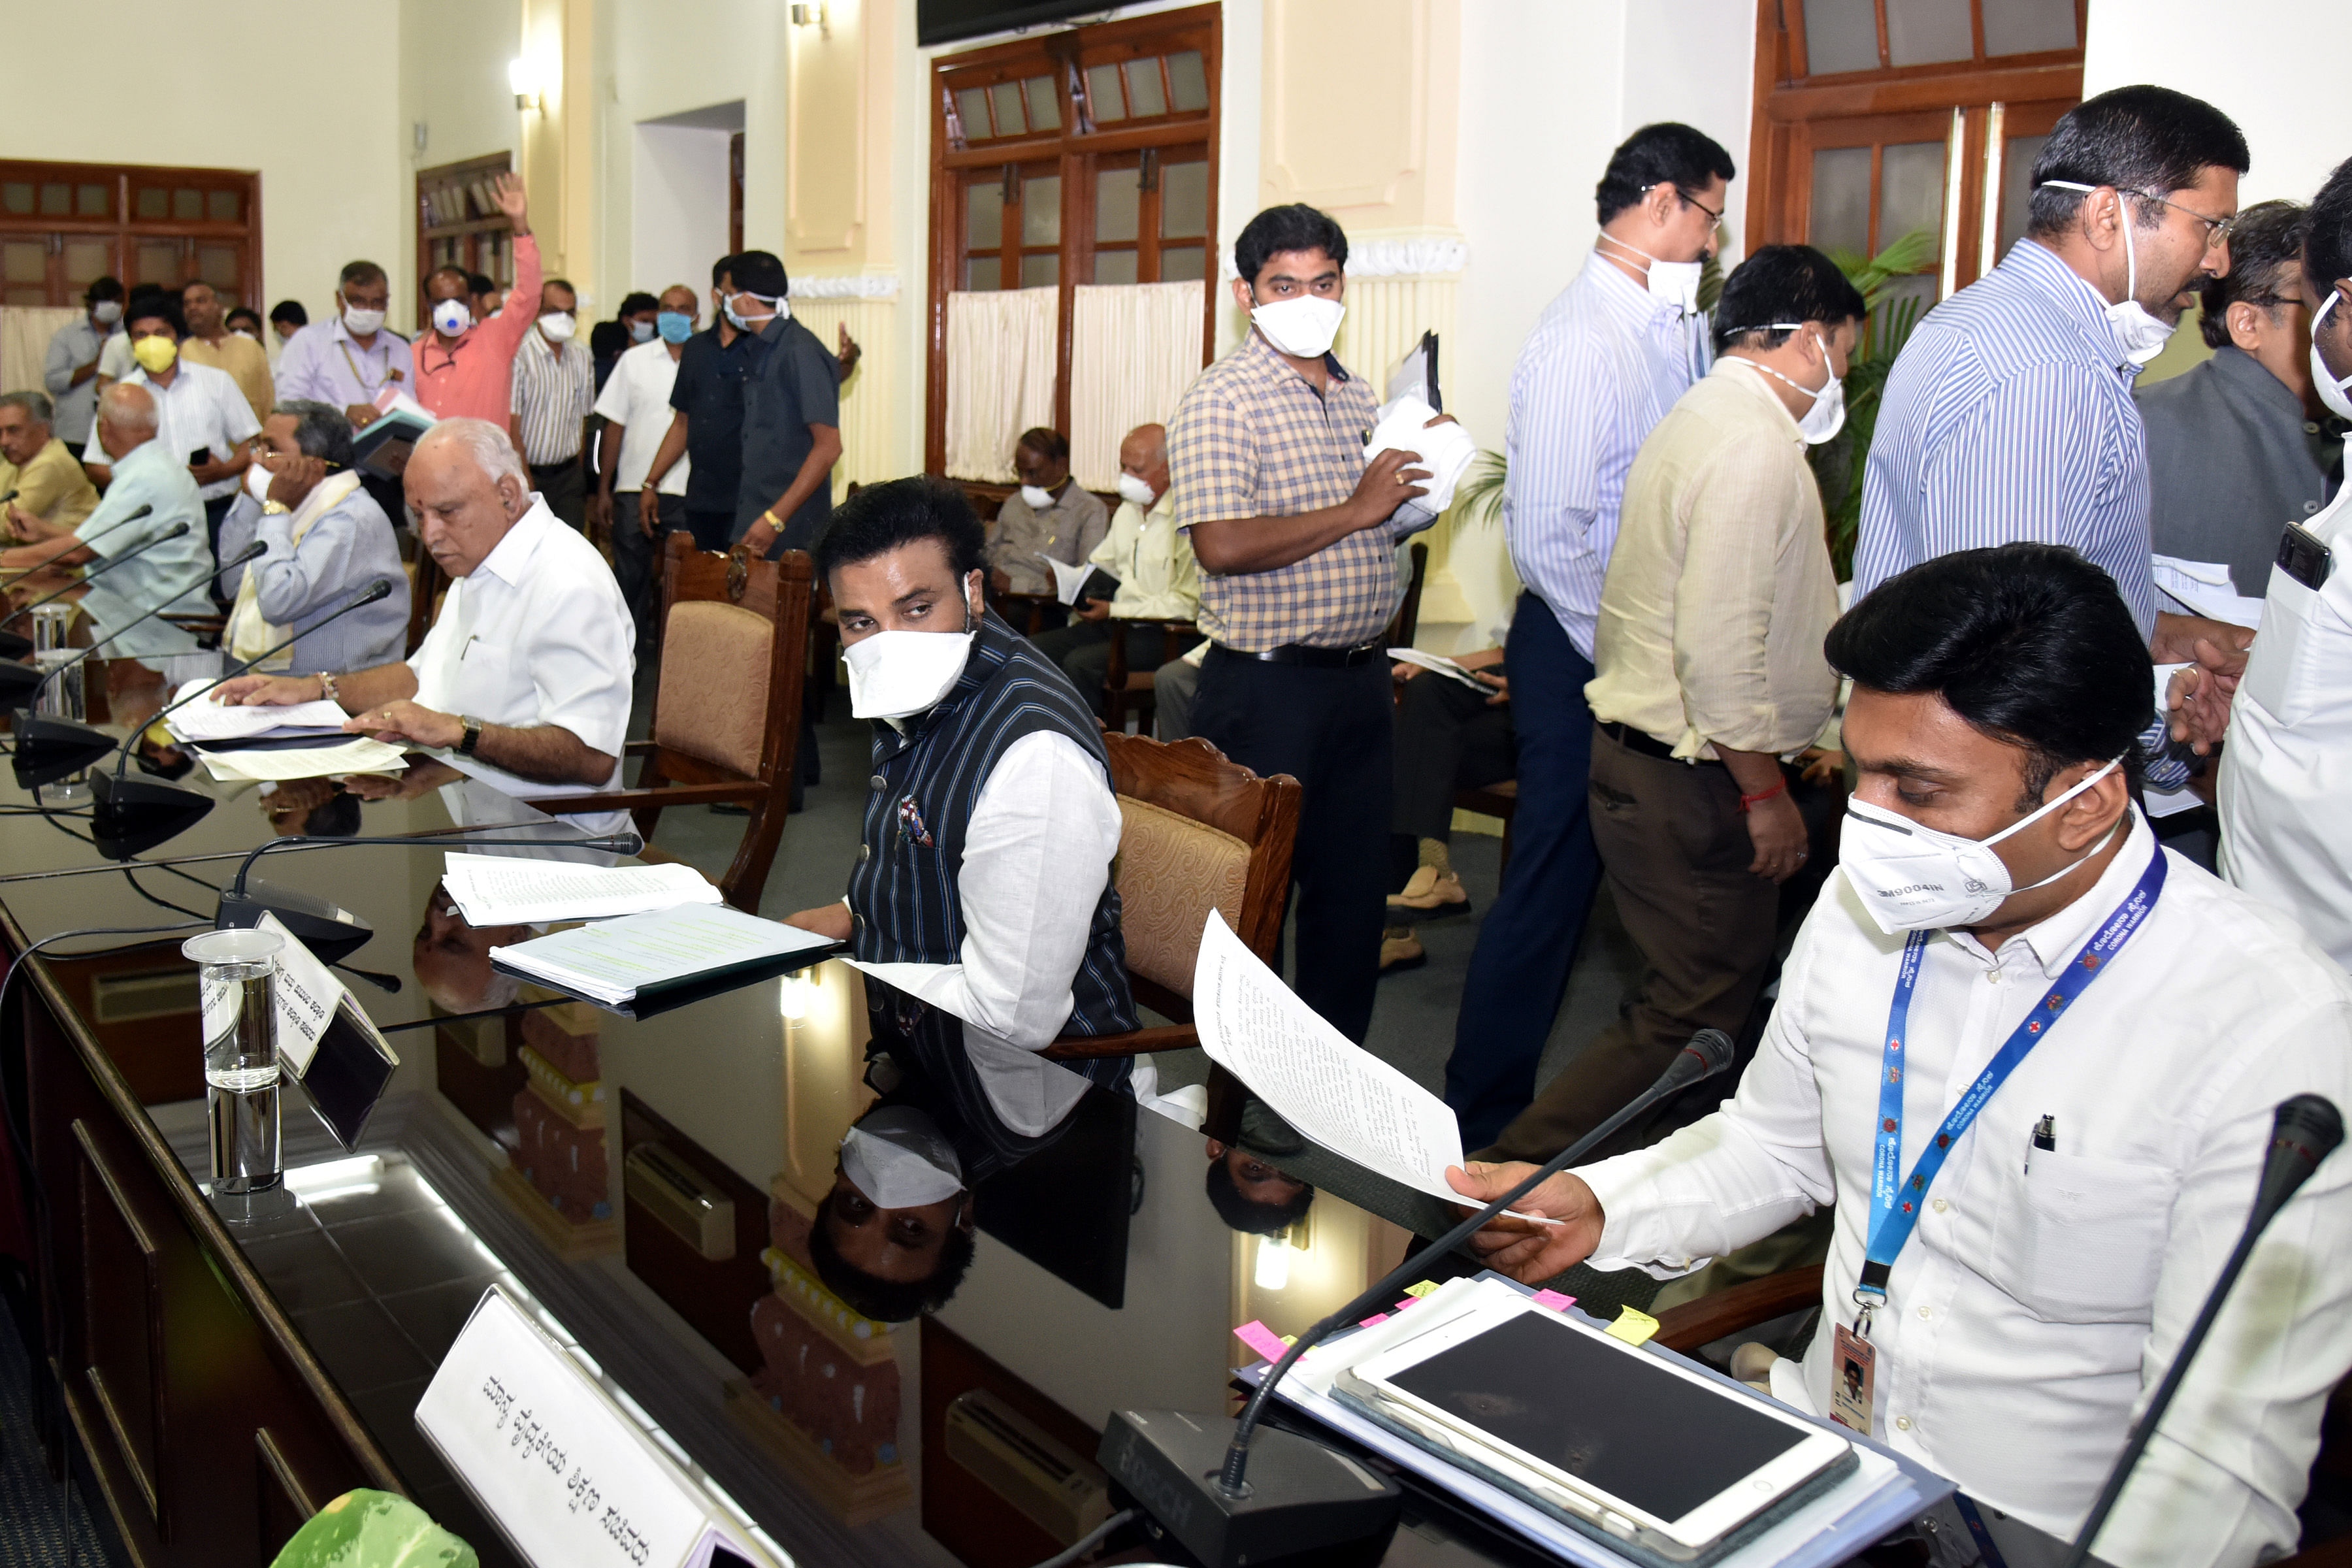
column 155, row 353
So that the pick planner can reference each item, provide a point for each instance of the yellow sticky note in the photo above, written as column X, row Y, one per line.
column 1634, row 1327
column 1423, row 1288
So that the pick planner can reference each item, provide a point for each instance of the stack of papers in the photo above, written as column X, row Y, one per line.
column 333, row 756
column 203, row 720
column 504, row 890
column 612, row 963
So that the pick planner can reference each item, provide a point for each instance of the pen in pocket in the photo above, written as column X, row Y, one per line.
column 2045, row 1136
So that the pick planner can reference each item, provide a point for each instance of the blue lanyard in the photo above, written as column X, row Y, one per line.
column 1891, row 1221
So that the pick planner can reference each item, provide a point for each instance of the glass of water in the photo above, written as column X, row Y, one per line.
column 63, row 695
column 236, row 975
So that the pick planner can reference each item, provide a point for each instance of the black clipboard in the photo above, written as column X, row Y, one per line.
column 652, row 1000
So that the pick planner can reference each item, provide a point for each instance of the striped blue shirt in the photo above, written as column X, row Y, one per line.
column 1604, row 363
column 2010, row 416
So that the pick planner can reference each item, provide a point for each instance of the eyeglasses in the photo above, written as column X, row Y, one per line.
column 2217, row 229
column 1713, row 215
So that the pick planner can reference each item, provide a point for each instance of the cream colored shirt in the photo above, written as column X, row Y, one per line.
column 1159, row 579
column 1719, row 590
column 245, row 361
column 51, row 487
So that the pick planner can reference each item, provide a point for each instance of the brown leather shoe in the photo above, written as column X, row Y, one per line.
column 1429, row 896
column 1399, row 950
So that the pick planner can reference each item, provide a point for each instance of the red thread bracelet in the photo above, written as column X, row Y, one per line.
column 1749, row 800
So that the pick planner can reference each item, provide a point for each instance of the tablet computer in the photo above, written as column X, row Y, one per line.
column 1596, row 1431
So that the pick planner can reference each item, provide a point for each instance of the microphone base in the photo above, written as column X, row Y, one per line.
column 134, row 815
column 325, row 927
column 15, row 645
column 50, row 749
column 1306, row 1503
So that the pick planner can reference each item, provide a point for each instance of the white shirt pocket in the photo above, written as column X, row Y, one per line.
column 2081, row 1240
column 2302, row 638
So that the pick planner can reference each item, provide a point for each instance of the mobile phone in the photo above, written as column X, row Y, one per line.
column 2301, row 557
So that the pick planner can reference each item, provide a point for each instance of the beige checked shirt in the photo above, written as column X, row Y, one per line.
column 1252, row 438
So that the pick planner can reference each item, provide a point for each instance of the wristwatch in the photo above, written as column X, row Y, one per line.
column 327, row 687
column 472, row 737
column 274, row 508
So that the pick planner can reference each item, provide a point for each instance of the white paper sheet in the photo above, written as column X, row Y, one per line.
column 1438, row 664
column 204, row 719
column 2205, row 588
column 360, row 754
column 1067, row 579
column 501, row 891
column 1313, row 1076
column 613, row 961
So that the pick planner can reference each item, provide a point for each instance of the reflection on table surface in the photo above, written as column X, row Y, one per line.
column 656, row 1186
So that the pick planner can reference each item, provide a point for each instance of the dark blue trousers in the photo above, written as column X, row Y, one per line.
column 1527, row 941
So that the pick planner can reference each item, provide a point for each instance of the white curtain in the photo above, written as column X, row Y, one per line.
column 25, row 334
column 1134, row 348
column 999, row 376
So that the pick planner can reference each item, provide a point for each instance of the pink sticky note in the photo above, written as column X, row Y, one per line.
column 1261, row 1338
column 1375, row 1318
column 1554, row 1299
column 1408, row 1301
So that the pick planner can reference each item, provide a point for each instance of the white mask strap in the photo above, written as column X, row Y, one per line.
column 2047, row 807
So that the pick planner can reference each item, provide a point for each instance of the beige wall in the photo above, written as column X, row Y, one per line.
column 219, row 97
column 452, row 75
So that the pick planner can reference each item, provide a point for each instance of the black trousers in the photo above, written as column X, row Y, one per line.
column 1447, row 740
column 1083, row 651
column 223, row 587
column 564, row 487
column 1331, row 729
column 714, row 531
column 637, row 559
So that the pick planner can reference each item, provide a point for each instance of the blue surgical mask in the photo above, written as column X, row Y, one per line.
column 675, row 326
column 641, row 331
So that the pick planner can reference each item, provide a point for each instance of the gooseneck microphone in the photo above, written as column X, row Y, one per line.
column 334, row 932
column 2303, row 1130
column 129, row 815
column 15, row 645
column 1216, row 1513
column 29, row 697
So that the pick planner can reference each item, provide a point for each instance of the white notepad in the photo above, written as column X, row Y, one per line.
column 611, row 963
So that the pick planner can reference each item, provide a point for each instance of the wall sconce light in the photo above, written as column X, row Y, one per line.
column 523, row 80
column 818, row 15
column 1273, row 1271
column 793, row 997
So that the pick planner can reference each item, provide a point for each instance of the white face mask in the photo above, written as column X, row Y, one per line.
column 1915, row 877
column 558, row 327
column 898, row 1159
column 1827, row 416
column 2140, row 336
column 360, row 323
column 641, row 331
column 106, row 312
column 1037, row 499
column 451, row 317
column 1135, row 490
column 896, row 675
column 1672, row 283
column 1303, row 326
column 2331, row 388
column 779, row 311
column 257, row 483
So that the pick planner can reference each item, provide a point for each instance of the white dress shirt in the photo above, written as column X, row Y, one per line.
column 1604, row 363
column 204, row 408
column 2285, row 836
column 537, row 634
column 637, row 398
column 1036, row 858
column 2037, row 1304
column 326, row 365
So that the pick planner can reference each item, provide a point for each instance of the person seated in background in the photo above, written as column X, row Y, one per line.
column 1158, row 580
column 328, row 540
column 286, row 318
column 211, row 343
column 2239, row 446
column 351, row 358
column 175, row 573
column 1173, row 687
column 203, row 418
column 1449, row 737
column 52, row 492
column 451, row 959
column 2072, row 1183
column 981, row 906
column 525, row 677
column 1708, row 671
column 1050, row 515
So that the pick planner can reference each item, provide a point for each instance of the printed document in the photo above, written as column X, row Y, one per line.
column 1438, row 664
column 204, row 719
column 612, row 961
column 505, row 890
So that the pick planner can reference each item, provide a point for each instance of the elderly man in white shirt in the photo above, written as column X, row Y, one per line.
column 1995, row 883
column 981, row 906
column 524, row 680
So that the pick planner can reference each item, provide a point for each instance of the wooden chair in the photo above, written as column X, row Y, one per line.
column 426, row 584
column 1200, row 834
column 1126, row 688
column 1407, row 619
column 726, row 714
column 1496, row 800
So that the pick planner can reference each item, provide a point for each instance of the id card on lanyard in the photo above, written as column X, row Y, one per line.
column 1895, row 1201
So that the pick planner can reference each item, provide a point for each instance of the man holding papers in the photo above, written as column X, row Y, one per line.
column 523, row 681
column 2030, row 1207
column 981, row 907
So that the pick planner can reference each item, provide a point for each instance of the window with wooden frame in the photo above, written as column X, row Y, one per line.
column 459, row 223
column 1877, row 117
column 63, row 224
column 1082, row 156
